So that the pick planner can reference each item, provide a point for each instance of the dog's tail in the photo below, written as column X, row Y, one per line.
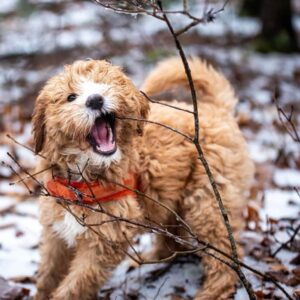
column 169, row 79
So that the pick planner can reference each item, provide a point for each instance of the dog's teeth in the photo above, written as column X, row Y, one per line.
column 111, row 134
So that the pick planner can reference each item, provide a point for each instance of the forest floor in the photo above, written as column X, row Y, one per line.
column 41, row 37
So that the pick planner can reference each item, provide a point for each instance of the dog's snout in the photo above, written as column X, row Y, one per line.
column 94, row 101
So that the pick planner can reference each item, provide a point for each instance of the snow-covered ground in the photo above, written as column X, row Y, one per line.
column 36, row 45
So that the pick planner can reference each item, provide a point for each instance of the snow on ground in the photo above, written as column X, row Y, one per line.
column 35, row 46
column 150, row 281
column 277, row 204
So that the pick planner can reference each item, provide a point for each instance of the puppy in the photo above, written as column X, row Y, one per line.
column 88, row 125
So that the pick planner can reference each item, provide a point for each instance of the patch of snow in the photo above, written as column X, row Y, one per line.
column 124, row 34
column 8, row 6
column 28, row 207
column 186, row 275
column 32, row 34
column 241, row 293
column 228, row 22
column 74, row 16
column 290, row 92
column 276, row 205
column 23, row 138
column 264, row 116
column 18, row 262
column 263, row 96
column 151, row 27
column 25, row 232
column 27, row 158
column 82, row 37
column 260, row 153
column 5, row 187
column 287, row 177
column 3, row 153
column 6, row 202
column 274, row 64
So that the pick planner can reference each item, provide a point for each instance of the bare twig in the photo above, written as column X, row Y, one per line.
column 208, row 17
column 19, row 176
column 217, row 195
column 159, row 289
column 26, row 172
column 286, row 120
column 24, row 146
column 289, row 241
column 152, row 8
column 166, row 104
column 158, row 124
column 30, row 176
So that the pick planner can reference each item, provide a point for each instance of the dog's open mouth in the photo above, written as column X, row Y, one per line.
column 102, row 136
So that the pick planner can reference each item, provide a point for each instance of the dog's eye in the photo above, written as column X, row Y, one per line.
column 72, row 97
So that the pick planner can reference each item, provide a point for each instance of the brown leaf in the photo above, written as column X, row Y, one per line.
column 19, row 233
column 293, row 281
column 280, row 268
column 266, row 242
column 296, row 260
column 297, row 294
column 179, row 289
column 296, row 271
column 270, row 260
column 263, row 294
column 9, row 291
column 279, row 272
column 278, row 276
column 253, row 214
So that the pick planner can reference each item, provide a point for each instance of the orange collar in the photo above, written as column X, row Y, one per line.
column 91, row 192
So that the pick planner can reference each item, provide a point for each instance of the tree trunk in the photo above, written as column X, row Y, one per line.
column 278, row 33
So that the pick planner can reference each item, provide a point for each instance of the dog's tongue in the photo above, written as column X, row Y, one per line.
column 103, row 135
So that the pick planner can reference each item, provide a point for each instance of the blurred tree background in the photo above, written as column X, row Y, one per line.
column 278, row 33
column 255, row 43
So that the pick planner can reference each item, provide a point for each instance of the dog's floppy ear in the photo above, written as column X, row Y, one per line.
column 143, row 111
column 38, row 123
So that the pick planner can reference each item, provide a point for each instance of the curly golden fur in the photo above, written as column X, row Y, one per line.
column 76, row 260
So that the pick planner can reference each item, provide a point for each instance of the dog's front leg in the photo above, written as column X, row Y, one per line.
column 55, row 258
column 90, row 268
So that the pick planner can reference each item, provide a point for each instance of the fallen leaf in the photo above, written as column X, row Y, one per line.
column 297, row 294
column 296, row 260
column 10, row 291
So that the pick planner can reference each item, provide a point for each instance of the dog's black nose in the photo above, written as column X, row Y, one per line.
column 94, row 101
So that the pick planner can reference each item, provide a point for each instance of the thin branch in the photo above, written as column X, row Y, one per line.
column 208, row 17
column 159, row 289
column 30, row 176
column 166, row 104
column 26, row 172
column 174, row 213
column 217, row 195
column 158, row 124
column 19, row 176
column 289, row 241
column 24, row 146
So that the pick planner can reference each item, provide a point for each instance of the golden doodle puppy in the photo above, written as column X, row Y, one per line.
column 87, row 123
